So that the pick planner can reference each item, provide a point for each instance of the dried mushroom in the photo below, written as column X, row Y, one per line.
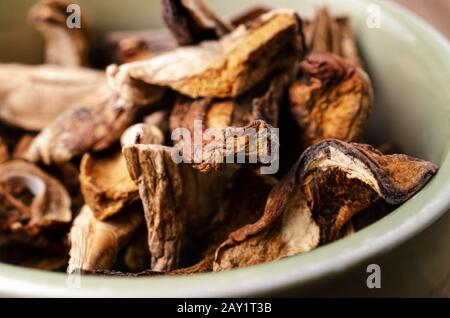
column 31, row 200
column 95, row 125
column 250, row 14
column 64, row 45
column 178, row 200
column 327, row 34
column 31, row 97
column 95, row 244
column 191, row 21
column 127, row 47
column 4, row 152
column 331, row 99
column 331, row 182
column 257, row 109
column 137, row 256
column 224, row 68
column 106, row 185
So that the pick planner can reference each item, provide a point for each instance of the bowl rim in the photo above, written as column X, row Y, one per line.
column 431, row 203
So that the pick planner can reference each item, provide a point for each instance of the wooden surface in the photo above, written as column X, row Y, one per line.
column 436, row 12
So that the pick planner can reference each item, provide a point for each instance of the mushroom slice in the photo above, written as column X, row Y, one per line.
column 96, row 124
column 331, row 99
column 224, row 68
column 4, row 152
column 64, row 46
column 31, row 97
column 106, row 185
column 331, row 182
column 191, row 21
column 178, row 200
column 127, row 47
column 95, row 244
column 256, row 110
column 329, row 34
column 31, row 200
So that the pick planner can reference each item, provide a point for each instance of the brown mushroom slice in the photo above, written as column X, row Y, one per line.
column 331, row 99
column 31, row 97
column 145, row 134
column 95, row 244
column 31, row 200
column 127, row 47
column 64, row 46
column 224, row 68
column 250, row 14
column 331, row 182
column 329, row 34
column 191, row 21
column 95, row 125
column 178, row 200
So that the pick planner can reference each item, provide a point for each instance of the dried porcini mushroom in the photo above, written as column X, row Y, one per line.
column 331, row 99
column 64, row 46
column 191, row 21
column 31, row 97
column 107, row 188
column 95, row 244
column 224, row 68
column 328, row 34
column 178, row 200
column 137, row 256
column 95, row 125
column 331, row 182
column 106, row 185
column 257, row 109
column 127, row 47
column 31, row 200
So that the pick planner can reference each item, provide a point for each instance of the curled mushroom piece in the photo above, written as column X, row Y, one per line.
column 31, row 200
column 191, row 21
column 178, row 200
column 329, row 34
column 224, row 68
column 331, row 99
column 32, row 97
column 331, row 182
column 64, row 45
column 106, row 185
column 96, row 124
column 95, row 244
column 232, row 127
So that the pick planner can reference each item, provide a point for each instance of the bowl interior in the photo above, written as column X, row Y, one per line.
column 408, row 64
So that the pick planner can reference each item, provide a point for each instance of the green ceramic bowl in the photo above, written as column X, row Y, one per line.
column 410, row 67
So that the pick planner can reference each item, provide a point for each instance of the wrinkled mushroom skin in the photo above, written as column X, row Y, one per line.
column 32, row 97
column 64, row 46
column 331, row 182
column 95, row 244
column 224, row 68
column 191, row 21
column 95, row 125
column 177, row 200
column 331, row 99
column 31, row 200
column 257, row 109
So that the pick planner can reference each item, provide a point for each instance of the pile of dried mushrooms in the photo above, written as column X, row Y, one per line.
column 87, row 181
